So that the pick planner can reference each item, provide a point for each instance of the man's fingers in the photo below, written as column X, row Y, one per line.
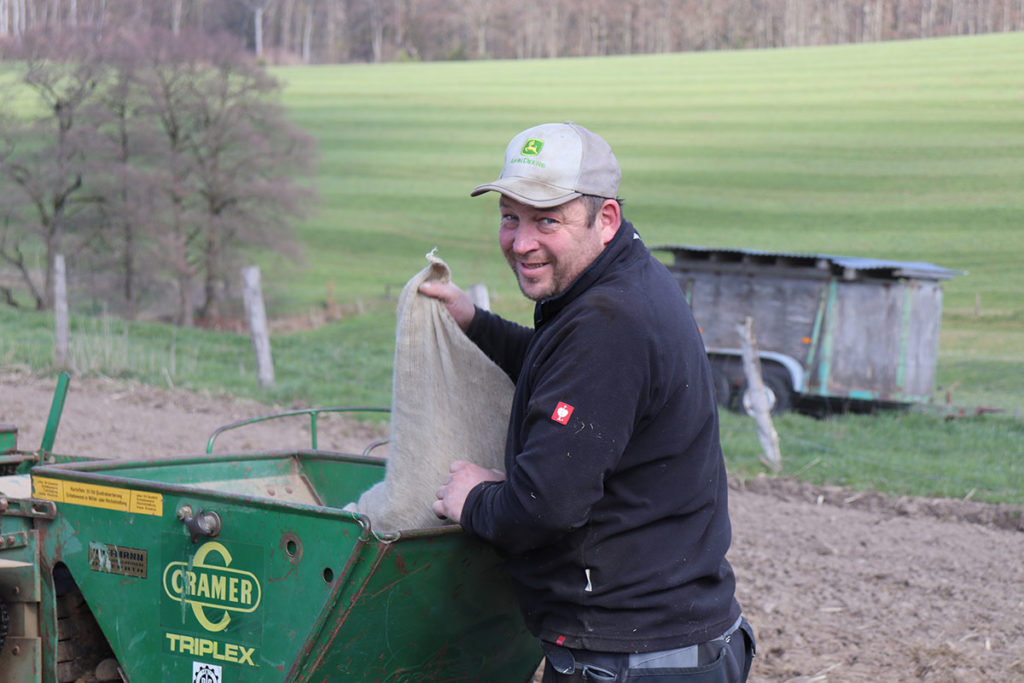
column 438, row 505
column 437, row 290
column 458, row 303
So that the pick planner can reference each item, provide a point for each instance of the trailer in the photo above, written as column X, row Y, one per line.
column 859, row 330
column 237, row 567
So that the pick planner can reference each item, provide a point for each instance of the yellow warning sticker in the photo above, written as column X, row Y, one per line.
column 97, row 496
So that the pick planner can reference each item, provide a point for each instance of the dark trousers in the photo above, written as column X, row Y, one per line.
column 725, row 660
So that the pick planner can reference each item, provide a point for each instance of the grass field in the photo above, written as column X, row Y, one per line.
column 905, row 150
column 909, row 150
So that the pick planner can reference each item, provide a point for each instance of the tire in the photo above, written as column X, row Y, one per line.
column 81, row 645
column 722, row 386
column 4, row 623
column 777, row 387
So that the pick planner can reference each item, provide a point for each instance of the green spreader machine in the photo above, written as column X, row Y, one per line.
column 236, row 567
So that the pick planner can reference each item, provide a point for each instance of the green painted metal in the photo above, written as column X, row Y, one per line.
column 824, row 365
column 863, row 395
column 819, row 316
column 313, row 414
column 56, row 408
column 21, row 586
column 291, row 588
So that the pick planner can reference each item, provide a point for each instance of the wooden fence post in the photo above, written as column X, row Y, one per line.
column 60, row 311
column 252, row 295
column 766, row 433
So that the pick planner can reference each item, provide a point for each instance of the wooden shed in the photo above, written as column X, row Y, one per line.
column 826, row 326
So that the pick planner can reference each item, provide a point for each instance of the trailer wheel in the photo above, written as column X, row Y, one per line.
column 777, row 389
column 81, row 645
column 722, row 385
column 4, row 621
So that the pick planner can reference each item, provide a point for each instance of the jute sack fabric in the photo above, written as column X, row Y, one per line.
column 449, row 402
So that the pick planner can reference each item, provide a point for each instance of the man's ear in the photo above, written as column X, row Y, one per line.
column 608, row 220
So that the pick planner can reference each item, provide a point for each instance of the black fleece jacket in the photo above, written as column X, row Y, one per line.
column 613, row 519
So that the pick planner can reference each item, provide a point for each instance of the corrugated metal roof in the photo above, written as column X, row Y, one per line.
column 850, row 265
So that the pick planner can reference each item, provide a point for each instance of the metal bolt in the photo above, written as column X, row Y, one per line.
column 16, row 590
column 16, row 650
column 11, row 540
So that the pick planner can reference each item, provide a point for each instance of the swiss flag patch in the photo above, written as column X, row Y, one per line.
column 563, row 411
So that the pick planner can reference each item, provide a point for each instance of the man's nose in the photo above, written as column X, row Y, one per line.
column 526, row 238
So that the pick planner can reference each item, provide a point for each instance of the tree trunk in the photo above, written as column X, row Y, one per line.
column 178, row 245
column 307, row 36
column 176, row 16
column 628, row 17
column 333, row 9
column 211, row 302
column 257, row 29
column 376, row 31
column 186, row 316
column 399, row 17
column 128, row 263
column 286, row 26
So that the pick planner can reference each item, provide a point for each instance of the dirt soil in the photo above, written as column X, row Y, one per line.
column 839, row 585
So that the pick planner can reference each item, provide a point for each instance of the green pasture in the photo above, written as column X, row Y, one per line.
column 902, row 150
column 906, row 150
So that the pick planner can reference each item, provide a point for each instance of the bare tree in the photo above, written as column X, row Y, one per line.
column 44, row 159
column 229, row 159
column 124, row 182
column 244, row 156
column 378, row 30
column 478, row 15
column 257, row 7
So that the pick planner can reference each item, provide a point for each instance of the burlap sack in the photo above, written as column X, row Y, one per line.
column 449, row 402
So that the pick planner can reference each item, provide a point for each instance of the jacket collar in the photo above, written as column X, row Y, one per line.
column 617, row 250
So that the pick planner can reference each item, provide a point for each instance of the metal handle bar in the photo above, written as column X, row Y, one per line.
column 312, row 412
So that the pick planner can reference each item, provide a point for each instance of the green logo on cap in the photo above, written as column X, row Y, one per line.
column 532, row 147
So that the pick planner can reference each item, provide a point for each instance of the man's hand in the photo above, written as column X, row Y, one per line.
column 462, row 477
column 458, row 302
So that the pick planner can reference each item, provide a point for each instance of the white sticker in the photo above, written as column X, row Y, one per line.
column 205, row 673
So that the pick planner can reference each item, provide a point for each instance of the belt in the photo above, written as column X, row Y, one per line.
column 605, row 664
column 684, row 657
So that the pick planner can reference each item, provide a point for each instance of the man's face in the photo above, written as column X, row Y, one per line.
column 549, row 248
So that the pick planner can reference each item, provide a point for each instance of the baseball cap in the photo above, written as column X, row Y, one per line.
column 553, row 163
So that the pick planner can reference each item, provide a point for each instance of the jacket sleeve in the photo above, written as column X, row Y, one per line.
column 598, row 371
column 503, row 341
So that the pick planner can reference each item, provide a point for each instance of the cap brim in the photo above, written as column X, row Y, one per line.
column 529, row 192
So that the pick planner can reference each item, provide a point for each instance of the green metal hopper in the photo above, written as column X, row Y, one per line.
column 245, row 567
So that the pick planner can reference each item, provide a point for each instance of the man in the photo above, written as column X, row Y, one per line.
column 612, row 512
